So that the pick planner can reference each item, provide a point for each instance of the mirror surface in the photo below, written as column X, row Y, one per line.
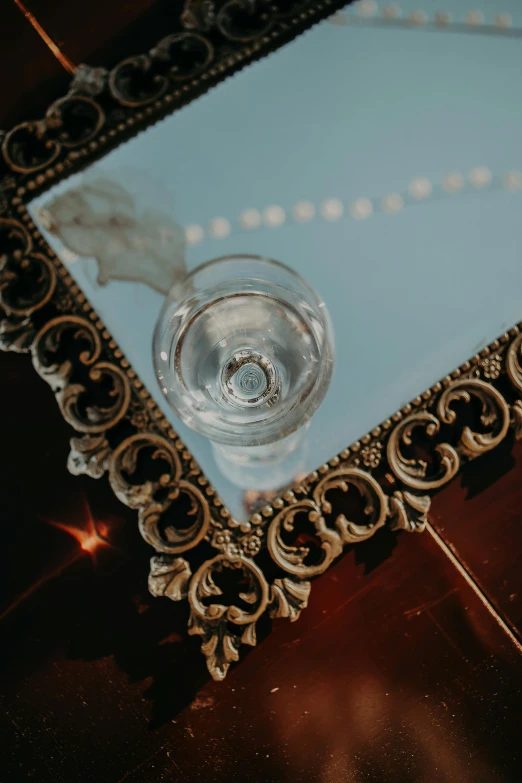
column 331, row 155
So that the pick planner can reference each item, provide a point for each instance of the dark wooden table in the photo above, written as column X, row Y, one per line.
column 405, row 667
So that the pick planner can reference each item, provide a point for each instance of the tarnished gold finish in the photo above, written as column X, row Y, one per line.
column 291, row 558
column 211, row 40
column 409, row 512
column 59, row 374
column 21, row 263
column 513, row 362
column 494, row 414
column 494, row 417
column 32, row 146
column 411, row 471
column 150, row 470
column 212, row 621
column 376, row 504
column 120, row 431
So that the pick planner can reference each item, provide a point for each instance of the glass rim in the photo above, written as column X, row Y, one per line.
column 265, row 260
column 310, row 400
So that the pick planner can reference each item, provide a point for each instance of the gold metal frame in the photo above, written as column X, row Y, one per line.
column 264, row 565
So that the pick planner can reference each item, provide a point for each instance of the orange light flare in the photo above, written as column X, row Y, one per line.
column 91, row 537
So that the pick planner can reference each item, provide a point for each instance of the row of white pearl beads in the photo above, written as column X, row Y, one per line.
column 333, row 209
column 369, row 9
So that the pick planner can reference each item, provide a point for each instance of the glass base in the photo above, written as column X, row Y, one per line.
column 271, row 467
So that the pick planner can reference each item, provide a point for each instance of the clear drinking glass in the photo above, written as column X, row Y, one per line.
column 243, row 352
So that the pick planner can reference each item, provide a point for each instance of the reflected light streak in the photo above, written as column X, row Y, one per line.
column 41, row 582
column 48, row 41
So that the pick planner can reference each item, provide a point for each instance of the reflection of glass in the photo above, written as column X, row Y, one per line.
column 243, row 352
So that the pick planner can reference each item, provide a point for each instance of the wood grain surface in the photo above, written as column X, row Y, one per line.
column 405, row 667
column 480, row 517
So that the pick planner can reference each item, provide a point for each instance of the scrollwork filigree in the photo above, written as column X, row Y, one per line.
column 376, row 503
column 133, row 82
column 412, row 471
column 27, row 148
column 69, row 122
column 27, row 277
column 392, row 470
column 153, row 498
column 75, row 119
column 470, row 444
column 494, row 414
column 32, row 296
column 292, row 558
column 514, row 362
column 187, row 54
column 124, row 462
column 173, row 540
column 244, row 20
column 211, row 38
column 90, row 417
column 213, row 621
column 302, row 533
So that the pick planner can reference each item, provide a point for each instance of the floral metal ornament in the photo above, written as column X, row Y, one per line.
column 231, row 573
column 212, row 40
column 122, row 434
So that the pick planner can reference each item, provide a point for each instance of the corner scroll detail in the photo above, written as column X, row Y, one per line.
column 215, row 622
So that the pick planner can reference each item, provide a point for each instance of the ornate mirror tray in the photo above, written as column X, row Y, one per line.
column 381, row 164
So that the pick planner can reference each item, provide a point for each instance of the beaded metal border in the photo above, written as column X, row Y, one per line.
column 264, row 565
